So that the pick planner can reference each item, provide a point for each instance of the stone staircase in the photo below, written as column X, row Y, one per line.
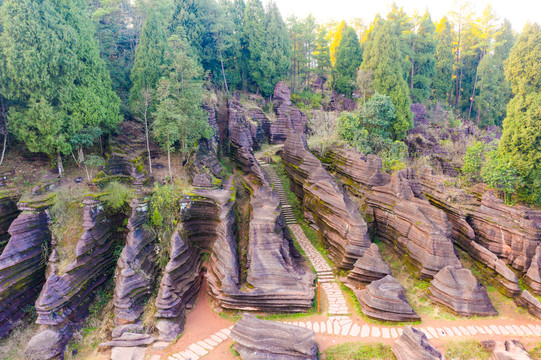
column 287, row 211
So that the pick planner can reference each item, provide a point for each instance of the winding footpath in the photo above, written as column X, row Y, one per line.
column 338, row 322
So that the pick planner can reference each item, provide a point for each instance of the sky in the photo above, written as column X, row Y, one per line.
column 517, row 11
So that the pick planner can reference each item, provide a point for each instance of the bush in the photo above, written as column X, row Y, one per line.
column 500, row 173
column 307, row 99
column 323, row 130
column 394, row 156
column 473, row 161
column 117, row 196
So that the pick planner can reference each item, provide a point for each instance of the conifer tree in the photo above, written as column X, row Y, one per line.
column 254, row 38
column 521, row 138
column 380, row 57
column 443, row 78
column 423, row 60
column 348, row 59
column 322, row 54
column 61, row 85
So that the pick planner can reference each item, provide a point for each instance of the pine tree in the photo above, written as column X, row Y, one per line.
column 254, row 37
column 179, row 118
column 443, row 78
column 322, row 54
column 348, row 59
column 521, row 138
column 383, row 58
column 423, row 61
column 61, row 79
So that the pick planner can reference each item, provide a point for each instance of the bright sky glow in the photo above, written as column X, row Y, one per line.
column 518, row 12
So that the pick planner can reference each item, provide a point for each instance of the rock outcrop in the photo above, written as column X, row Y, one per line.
column 458, row 290
column 205, row 170
column 533, row 276
column 22, row 263
column 269, row 340
column 179, row 286
column 288, row 116
column 384, row 299
column 413, row 344
column 400, row 214
column 276, row 281
column 460, row 208
column 343, row 230
column 529, row 302
column 64, row 299
column 506, row 350
column 136, row 267
column 8, row 213
column 369, row 267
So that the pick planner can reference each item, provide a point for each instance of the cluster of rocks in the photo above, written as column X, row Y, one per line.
column 506, row 350
column 22, row 262
column 399, row 213
column 342, row 228
column 269, row 340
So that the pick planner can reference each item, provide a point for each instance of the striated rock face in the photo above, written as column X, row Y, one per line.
column 529, row 302
column 384, row 299
column 369, row 267
column 460, row 208
column 242, row 140
column 65, row 297
column 178, row 288
column 136, row 267
column 401, row 215
column 276, row 281
column 205, row 170
column 8, row 213
column 413, row 344
column 533, row 276
column 340, row 224
column 22, row 266
column 458, row 290
column 506, row 350
column 269, row 340
column 288, row 116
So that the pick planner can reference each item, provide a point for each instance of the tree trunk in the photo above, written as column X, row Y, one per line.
column 412, row 63
column 223, row 73
column 148, row 144
column 475, row 85
column 80, row 154
column 457, row 87
column 4, row 148
column 169, row 163
column 60, row 166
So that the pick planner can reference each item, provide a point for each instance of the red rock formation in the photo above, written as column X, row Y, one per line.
column 533, row 276
column 413, row 344
column 343, row 230
column 288, row 116
column 8, row 213
column 369, row 267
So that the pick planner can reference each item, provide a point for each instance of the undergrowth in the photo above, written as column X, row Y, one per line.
column 359, row 351
column 466, row 350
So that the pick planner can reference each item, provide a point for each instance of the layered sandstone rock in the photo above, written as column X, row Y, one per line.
column 369, row 267
column 269, row 340
column 205, row 170
column 529, row 302
column 22, row 263
column 401, row 215
column 66, row 295
column 136, row 267
column 506, row 350
column 179, row 286
column 413, row 344
column 343, row 230
column 533, row 276
column 288, row 116
column 458, row 290
column 276, row 280
column 8, row 213
column 384, row 299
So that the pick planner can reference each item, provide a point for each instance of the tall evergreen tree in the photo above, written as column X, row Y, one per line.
column 423, row 67
column 322, row 54
column 348, row 59
column 383, row 57
column 521, row 138
column 61, row 85
column 254, row 37
column 443, row 78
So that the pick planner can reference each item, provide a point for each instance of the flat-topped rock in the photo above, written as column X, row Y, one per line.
column 128, row 339
column 384, row 299
column 369, row 267
column 530, row 302
column 459, row 290
column 268, row 340
column 413, row 344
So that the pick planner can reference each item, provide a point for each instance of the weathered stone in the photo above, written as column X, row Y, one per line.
column 136, row 267
column 533, row 276
column 458, row 290
column 268, row 340
column 400, row 214
column 369, row 267
column 288, row 116
column 128, row 353
column 128, row 339
column 8, row 213
column 204, row 169
column 384, row 299
column 47, row 344
column 506, row 350
column 132, row 328
column 343, row 230
column 413, row 344
column 530, row 302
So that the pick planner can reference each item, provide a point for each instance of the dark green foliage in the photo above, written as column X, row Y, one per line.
column 380, row 57
column 443, row 77
column 322, row 54
column 423, row 61
column 303, row 38
column 61, row 86
column 348, row 59
column 500, row 173
column 473, row 161
column 117, row 196
column 494, row 91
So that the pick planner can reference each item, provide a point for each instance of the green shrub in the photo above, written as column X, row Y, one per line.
column 473, row 161
column 307, row 99
column 500, row 173
column 117, row 196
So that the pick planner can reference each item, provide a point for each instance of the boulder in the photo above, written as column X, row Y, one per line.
column 529, row 302
column 47, row 344
column 343, row 230
column 129, row 339
column 136, row 267
column 399, row 213
column 506, row 350
column 288, row 116
column 384, row 299
column 22, row 262
column 458, row 290
column 269, row 340
column 413, row 344
column 369, row 267
column 533, row 275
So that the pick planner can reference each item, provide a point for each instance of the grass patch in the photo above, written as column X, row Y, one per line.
column 466, row 350
column 359, row 351
column 12, row 347
column 535, row 352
